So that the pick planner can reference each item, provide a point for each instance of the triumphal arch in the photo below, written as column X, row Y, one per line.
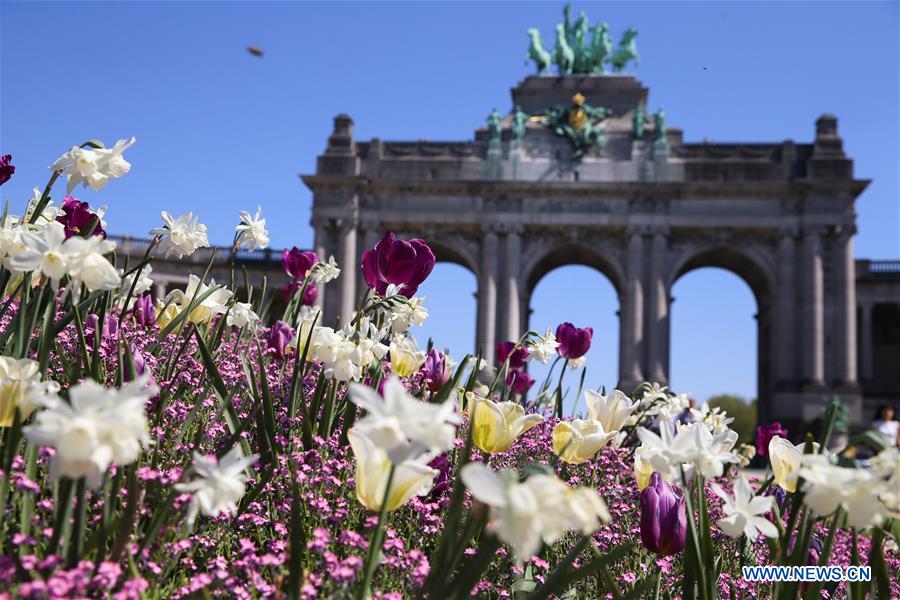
column 579, row 169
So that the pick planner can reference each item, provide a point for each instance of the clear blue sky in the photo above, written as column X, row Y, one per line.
column 220, row 130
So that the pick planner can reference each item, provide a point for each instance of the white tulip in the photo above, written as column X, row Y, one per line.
column 241, row 315
column 21, row 387
column 828, row 486
column 204, row 310
column 743, row 512
column 611, row 411
column 96, row 428
column 786, row 460
column 182, row 236
column 251, row 233
column 220, row 486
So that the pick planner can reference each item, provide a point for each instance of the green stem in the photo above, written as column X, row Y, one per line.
column 78, row 527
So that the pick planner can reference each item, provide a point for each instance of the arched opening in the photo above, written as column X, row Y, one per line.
column 450, row 299
column 587, row 298
column 720, row 327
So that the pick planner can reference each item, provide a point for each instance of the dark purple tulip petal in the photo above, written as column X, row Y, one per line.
column 574, row 342
column 397, row 262
column 663, row 517
column 6, row 168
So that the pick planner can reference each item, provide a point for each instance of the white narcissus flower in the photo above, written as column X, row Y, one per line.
column 542, row 508
column 887, row 466
column 495, row 426
column 96, row 428
column 94, row 167
column 403, row 426
column 577, row 441
column 251, row 233
column 88, row 265
column 42, row 251
column 373, row 466
column 692, row 448
column 206, row 309
column 241, row 315
column 743, row 512
column 716, row 419
column 544, row 348
column 577, row 363
column 144, row 282
column 48, row 215
column 828, row 486
column 611, row 411
column 323, row 272
column 220, row 486
column 182, row 236
column 21, row 387
column 404, row 315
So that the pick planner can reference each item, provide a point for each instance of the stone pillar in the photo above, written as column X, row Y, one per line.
column 369, row 234
column 785, row 347
column 321, row 245
column 631, row 314
column 159, row 291
column 486, row 335
column 512, row 258
column 813, row 324
column 866, row 348
column 657, row 309
column 347, row 233
column 845, row 309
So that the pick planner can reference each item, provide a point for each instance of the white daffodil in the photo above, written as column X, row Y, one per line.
column 404, row 315
column 743, row 512
column 577, row 363
column 182, row 236
column 251, row 233
column 828, row 486
column 544, row 348
column 97, row 427
column 716, row 419
column 542, row 508
column 577, row 441
column 42, row 251
column 88, row 265
column 693, row 447
column 886, row 464
column 21, row 387
column 373, row 466
column 48, row 215
column 241, row 315
column 611, row 411
column 204, row 310
column 495, row 426
column 403, row 426
column 94, row 167
column 144, row 282
column 220, row 486
column 323, row 272
column 308, row 317
column 11, row 243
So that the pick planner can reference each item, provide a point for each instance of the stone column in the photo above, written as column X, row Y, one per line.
column 512, row 258
column 486, row 335
column 631, row 313
column 813, row 324
column 845, row 309
column 369, row 234
column 786, row 333
column 321, row 245
column 866, row 348
column 347, row 233
column 657, row 309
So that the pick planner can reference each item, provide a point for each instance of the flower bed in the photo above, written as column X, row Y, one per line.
column 183, row 448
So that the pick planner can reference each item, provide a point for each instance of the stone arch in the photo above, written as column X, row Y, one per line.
column 572, row 253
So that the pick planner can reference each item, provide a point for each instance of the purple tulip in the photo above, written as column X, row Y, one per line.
column 777, row 492
column 519, row 381
column 663, row 517
column 434, row 370
column 442, row 464
column 309, row 296
column 6, row 168
column 110, row 328
column 516, row 359
column 143, row 311
column 78, row 217
column 574, row 342
column 398, row 262
column 296, row 262
column 765, row 433
column 279, row 335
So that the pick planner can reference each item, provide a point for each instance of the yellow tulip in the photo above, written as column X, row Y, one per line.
column 165, row 314
column 373, row 468
column 19, row 388
column 497, row 425
column 786, row 459
column 405, row 360
column 576, row 441
column 642, row 468
column 11, row 394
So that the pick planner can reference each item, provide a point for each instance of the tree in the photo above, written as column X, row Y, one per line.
column 744, row 414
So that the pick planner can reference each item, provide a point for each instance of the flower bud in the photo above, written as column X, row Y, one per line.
column 574, row 342
column 663, row 517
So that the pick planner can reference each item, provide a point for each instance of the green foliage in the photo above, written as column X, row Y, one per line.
column 744, row 413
